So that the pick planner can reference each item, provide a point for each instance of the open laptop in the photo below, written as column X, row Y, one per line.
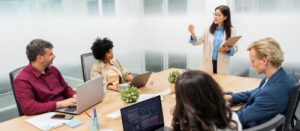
column 88, row 94
column 137, row 81
column 144, row 116
column 140, row 80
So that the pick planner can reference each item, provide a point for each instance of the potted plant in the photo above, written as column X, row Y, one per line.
column 130, row 94
column 172, row 79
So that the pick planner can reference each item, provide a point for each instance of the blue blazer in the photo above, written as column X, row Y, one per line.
column 263, row 103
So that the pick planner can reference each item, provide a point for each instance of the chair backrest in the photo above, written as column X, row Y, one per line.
column 13, row 75
column 275, row 123
column 87, row 60
column 292, row 107
column 154, row 61
column 177, row 60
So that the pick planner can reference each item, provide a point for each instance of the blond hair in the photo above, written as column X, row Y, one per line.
column 268, row 48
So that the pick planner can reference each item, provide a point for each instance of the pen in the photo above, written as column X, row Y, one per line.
column 87, row 114
column 95, row 112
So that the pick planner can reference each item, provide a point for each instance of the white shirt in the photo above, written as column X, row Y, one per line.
column 235, row 118
column 262, row 87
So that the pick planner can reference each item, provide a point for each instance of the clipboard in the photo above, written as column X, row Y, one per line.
column 232, row 41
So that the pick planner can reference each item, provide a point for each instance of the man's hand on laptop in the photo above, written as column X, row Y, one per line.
column 66, row 103
column 75, row 96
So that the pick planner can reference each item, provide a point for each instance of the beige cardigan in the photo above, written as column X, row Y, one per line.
column 99, row 69
column 206, row 38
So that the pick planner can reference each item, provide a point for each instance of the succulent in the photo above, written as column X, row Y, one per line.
column 173, row 76
column 130, row 95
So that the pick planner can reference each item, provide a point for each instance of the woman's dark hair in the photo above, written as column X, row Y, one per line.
column 227, row 23
column 200, row 104
column 100, row 47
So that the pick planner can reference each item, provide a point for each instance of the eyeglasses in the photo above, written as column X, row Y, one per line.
column 218, row 15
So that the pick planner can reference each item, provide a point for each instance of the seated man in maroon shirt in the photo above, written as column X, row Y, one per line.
column 40, row 87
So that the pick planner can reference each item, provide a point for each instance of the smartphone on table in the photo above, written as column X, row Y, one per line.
column 62, row 116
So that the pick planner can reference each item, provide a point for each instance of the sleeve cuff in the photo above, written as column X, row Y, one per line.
column 231, row 51
column 52, row 106
column 192, row 40
column 233, row 100
column 71, row 92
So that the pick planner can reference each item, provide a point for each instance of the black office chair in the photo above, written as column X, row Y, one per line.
column 290, row 114
column 13, row 75
column 296, row 127
column 275, row 123
column 87, row 60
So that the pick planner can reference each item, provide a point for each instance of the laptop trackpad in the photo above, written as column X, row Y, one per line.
column 71, row 109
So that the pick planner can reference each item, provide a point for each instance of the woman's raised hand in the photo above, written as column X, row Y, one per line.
column 192, row 29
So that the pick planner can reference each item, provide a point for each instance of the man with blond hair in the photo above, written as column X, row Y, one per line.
column 271, row 97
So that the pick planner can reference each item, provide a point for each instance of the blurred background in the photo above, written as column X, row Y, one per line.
column 148, row 35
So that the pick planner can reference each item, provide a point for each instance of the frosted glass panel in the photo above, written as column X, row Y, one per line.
column 144, row 33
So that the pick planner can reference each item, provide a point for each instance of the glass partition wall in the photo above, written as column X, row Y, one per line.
column 148, row 35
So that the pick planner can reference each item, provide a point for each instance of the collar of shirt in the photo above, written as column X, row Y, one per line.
column 36, row 73
column 262, row 87
column 220, row 28
column 219, row 32
column 104, row 65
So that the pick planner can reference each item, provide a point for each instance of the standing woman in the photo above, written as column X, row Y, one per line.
column 215, row 58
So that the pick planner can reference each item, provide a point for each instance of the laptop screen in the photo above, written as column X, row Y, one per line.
column 146, row 115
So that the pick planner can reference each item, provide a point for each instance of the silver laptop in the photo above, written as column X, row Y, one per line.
column 89, row 94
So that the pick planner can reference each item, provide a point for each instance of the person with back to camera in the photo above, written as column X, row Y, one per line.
column 112, row 71
column 200, row 105
column 216, row 55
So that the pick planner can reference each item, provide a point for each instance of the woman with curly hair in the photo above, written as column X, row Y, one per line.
column 112, row 71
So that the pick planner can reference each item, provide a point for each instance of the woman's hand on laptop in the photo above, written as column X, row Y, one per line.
column 66, row 103
column 113, row 87
column 129, row 78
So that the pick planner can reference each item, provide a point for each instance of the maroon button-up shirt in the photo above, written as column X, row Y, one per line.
column 38, row 93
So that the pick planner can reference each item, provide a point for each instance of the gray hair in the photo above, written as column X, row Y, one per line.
column 37, row 47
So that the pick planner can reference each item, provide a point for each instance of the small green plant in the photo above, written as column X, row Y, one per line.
column 173, row 76
column 130, row 95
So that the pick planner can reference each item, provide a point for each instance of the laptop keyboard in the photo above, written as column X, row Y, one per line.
column 71, row 109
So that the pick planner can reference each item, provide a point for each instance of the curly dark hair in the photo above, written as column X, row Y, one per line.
column 208, row 110
column 100, row 47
